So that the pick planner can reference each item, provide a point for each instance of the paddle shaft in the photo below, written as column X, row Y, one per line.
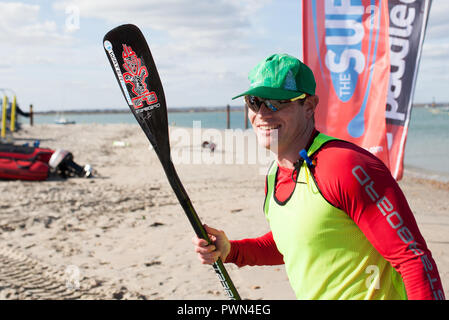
column 198, row 227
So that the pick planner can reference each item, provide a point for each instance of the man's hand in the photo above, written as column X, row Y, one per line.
column 209, row 253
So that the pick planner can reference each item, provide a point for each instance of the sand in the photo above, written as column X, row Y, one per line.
column 123, row 235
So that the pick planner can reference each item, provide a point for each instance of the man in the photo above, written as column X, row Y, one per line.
column 336, row 239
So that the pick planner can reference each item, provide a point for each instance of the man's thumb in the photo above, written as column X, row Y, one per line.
column 212, row 231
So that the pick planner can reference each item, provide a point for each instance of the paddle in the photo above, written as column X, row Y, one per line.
column 136, row 73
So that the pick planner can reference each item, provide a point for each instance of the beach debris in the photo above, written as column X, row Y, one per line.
column 153, row 263
column 124, row 293
column 118, row 143
column 49, row 219
column 156, row 224
column 209, row 145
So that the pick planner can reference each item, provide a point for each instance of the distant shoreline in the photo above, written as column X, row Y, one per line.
column 188, row 109
column 170, row 110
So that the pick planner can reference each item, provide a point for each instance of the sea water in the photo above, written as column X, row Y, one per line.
column 182, row 119
column 427, row 146
column 426, row 151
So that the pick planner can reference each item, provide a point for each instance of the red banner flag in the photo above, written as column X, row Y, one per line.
column 408, row 21
column 346, row 45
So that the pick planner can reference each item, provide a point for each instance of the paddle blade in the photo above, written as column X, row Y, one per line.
column 135, row 70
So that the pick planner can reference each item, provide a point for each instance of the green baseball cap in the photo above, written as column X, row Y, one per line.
column 280, row 77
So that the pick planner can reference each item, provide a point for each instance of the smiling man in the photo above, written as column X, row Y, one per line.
column 339, row 221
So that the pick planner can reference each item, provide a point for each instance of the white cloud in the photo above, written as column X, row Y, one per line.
column 197, row 45
column 434, row 69
column 436, row 50
column 20, row 25
column 201, row 49
column 27, row 39
column 438, row 23
column 206, row 25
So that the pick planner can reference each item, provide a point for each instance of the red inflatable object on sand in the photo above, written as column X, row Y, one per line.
column 24, row 163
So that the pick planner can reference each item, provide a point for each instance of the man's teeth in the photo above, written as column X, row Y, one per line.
column 268, row 127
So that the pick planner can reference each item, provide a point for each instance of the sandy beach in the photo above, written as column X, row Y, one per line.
column 123, row 235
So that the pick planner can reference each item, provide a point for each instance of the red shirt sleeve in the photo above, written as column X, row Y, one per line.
column 261, row 251
column 362, row 186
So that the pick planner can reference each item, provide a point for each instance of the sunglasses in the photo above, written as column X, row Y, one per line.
column 255, row 103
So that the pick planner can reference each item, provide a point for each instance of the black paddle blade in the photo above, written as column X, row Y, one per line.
column 136, row 73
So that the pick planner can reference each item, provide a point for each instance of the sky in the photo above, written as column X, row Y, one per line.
column 51, row 52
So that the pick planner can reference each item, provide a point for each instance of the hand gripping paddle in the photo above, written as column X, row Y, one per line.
column 137, row 75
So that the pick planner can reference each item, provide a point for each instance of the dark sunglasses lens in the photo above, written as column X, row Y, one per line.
column 252, row 103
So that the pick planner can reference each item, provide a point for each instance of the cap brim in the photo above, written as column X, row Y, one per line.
column 270, row 93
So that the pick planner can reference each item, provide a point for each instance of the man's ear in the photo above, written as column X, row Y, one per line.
column 310, row 105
